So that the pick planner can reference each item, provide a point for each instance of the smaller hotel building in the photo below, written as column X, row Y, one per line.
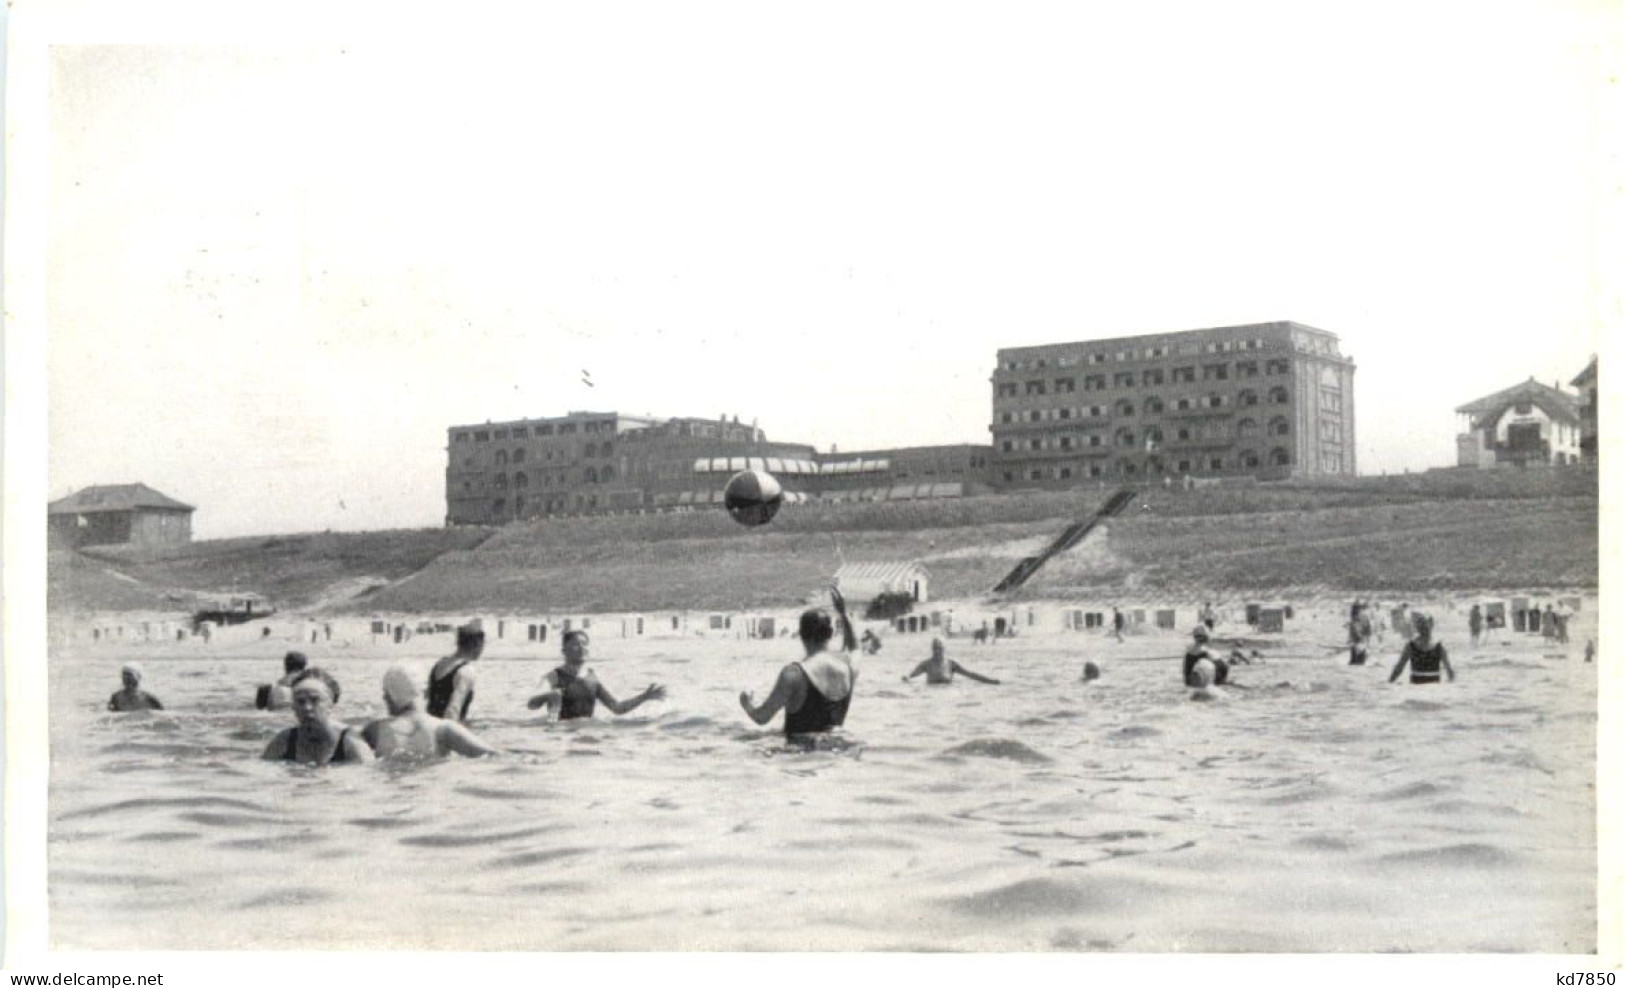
column 1267, row 400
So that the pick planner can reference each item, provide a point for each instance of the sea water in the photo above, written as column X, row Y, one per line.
column 1316, row 809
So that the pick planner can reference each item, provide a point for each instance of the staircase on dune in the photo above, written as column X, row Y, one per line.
column 1071, row 536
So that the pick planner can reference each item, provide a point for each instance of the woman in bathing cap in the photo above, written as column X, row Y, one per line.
column 410, row 731
column 132, row 696
column 317, row 739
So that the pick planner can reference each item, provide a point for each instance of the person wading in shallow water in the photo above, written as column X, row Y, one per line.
column 317, row 739
column 815, row 692
column 939, row 669
column 1425, row 656
column 1359, row 634
column 451, row 682
column 132, row 696
column 574, row 690
column 413, row 733
column 279, row 695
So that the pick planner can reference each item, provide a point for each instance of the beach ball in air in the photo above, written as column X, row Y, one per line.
column 753, row 497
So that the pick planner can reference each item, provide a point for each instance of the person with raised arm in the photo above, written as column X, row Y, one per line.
column 816, row 692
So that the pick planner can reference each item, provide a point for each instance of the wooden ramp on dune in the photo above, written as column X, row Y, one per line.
column 1071, row 536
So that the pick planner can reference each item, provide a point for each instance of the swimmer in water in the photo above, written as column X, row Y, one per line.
column 132, row 697
column 939, row 669
column 1424, row 655
column 317, row 739
column 1217, row 670
column 1091, row 671
column 815, row 692
column 279, row 695
column 411, row 732
column 451, row 682
column 574, row 690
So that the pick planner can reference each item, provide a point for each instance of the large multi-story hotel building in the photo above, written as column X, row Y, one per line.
column 1268, row 400
column 597, row 462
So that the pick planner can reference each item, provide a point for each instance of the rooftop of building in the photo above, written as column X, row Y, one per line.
column 1587, row 377
column 1280, row 329
column 115, row 497
column 1558, row 404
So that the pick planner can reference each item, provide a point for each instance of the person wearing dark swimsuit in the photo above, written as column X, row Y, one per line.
column 574, row 690
column 816, row 692
column 318, row 739
column 1425, row 656
column 451, row 682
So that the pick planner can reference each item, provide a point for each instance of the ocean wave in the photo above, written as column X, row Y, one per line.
column 998, row 748
column 1469, row 855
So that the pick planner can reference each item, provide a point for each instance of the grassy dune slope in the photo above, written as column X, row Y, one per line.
column 291, row 570
column 1426, row 531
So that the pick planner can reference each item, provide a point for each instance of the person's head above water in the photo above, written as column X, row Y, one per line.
column 314, row 692
column 470, row 638
column 294, row 662
column 319, row 676
column 1423, row 625
column 400, row 691
column 1091, row 671
column 131, row 675
column 816, row 627
column 938, row 649
column 1200, row 633
column 574, row 645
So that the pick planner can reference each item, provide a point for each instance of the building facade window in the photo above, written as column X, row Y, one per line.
column 1152, row 378
column 1280, row 457
column 1065, row 385
column 1124, row 409
column 1278, row 395
column 1035, row 387
column 1153, row 406
column 1279, row 426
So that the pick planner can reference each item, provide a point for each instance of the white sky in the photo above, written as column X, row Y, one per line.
column 277, row 274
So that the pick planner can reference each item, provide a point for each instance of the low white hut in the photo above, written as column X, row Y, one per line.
column 860, row 583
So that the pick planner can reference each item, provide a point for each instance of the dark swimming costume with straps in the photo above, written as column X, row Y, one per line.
column 818, row 712
column 291, row 752
column 1426, row 663
column 440, row 692
column 577, row 696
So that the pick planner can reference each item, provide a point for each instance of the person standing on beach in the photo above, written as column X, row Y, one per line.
column 1207, row 615
column 939, row 670
column 132, row 697
column 451, row 682
column 317, row 739
column 411, row 732
column 816, row 692
column 1560, row 616
column 1425, row 656
column 1359, row 634
column 1118, row 621
column 1475, row 623
column 574, row 690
